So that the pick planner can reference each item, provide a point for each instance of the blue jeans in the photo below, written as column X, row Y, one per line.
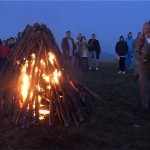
column 92, row 59
column 128, row 61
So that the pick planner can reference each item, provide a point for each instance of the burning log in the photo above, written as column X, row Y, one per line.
column 36, row 84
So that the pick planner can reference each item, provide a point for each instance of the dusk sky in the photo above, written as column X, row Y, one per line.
column 107, row 19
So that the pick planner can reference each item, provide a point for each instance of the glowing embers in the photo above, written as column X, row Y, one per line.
column 43, row 113
column 44, row 108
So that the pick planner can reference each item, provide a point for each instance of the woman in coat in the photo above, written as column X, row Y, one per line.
column 84, row 54
column 121, row 50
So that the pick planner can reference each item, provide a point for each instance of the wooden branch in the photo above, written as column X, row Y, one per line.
column 92, row 93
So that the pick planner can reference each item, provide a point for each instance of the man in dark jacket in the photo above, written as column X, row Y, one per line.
column 94, row 51
column 68, row 47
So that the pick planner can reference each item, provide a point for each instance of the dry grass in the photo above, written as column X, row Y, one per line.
column 118, row 124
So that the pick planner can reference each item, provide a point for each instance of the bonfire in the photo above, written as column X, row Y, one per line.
column 36, row 85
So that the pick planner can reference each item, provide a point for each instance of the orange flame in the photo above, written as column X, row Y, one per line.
column 50, row 78
column 56, row 76
column 51, row 58
column 43, row 64
column 48, row 87
column 18, row 62
column 36, row 69
column 39, row 88
column 43, row 112
column 33, row 56
column 25, row 81
column 46, row 77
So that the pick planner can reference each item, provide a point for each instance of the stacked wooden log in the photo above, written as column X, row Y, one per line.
column 35, row 83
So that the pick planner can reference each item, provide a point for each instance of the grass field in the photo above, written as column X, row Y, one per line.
column 117, row 124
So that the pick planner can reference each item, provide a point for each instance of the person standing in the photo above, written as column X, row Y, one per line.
column 94, row 52
column 136, row 48
column 121, row 51
column 84, row 54
column 5, row 52
column 68, row 47
column 77, row 58
column 128, row 62
column 143, row 55
column 11, row 43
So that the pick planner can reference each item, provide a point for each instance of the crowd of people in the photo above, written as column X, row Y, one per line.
column 132, row 54
column 78, row 53
column 125, row 53
column 81, row 53
column 6, row 49
column 139, row 49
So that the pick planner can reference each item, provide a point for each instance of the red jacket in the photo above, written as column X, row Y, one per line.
column 5, row 51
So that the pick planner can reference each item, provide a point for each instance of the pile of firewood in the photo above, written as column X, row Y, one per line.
column 35, row 83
